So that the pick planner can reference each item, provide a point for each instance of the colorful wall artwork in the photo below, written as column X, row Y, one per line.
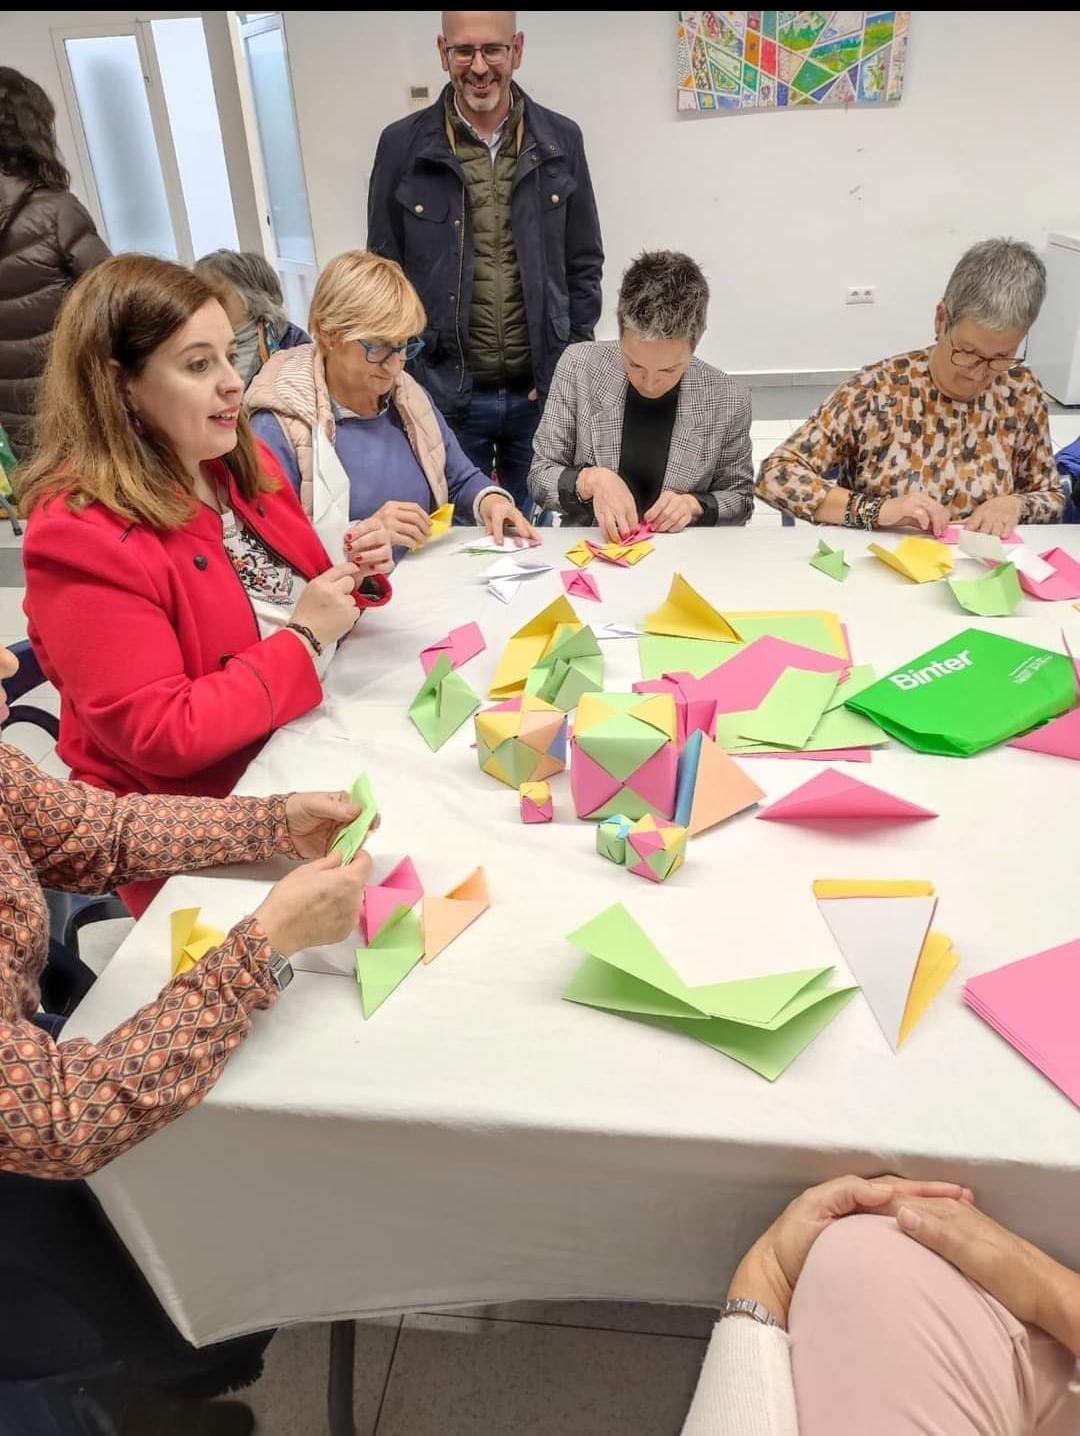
column 773, row 59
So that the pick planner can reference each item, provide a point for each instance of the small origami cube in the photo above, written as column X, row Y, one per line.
column 611, row 838
column 521, row 741
column 536, row 804
column 655, row 848
column 625, row 755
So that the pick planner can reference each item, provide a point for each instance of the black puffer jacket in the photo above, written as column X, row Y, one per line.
column 47, row 240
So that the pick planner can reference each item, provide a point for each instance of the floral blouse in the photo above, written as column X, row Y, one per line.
column 68, row 1108
column 890, row 429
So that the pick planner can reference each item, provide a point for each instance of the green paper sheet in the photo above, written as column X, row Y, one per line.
column 806, row 629
column 383, row 966
column 767, row 1053
column 443, row 703
column 830, row 561
column 791, row 710
column 597, row 983
column 859, row 677
column 994, row 595
column 615, row 939
column 835, row 730
column 762, row 1001
column 351, row 839
column 574, row 666
column 682, row 655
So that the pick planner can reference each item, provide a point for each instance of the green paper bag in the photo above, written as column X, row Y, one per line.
column 976, row 690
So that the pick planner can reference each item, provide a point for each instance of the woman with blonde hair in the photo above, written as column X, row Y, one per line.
column 176, row 594
column 357, row 437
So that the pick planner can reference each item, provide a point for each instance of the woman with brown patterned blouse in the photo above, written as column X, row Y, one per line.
column 69, row 1107
column 955, row 432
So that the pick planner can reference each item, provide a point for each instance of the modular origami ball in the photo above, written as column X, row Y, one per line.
column 625, row 755
column 521, row 741
column 655, row 849
column 611, row 837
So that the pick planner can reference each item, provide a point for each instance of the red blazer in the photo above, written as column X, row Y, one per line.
column 165, row 684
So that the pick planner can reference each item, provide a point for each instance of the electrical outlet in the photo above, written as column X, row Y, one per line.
column 860, row 294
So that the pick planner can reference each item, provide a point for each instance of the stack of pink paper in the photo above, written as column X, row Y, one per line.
column 1035, row 1005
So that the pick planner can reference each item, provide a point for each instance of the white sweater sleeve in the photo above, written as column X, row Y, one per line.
column 745, row 1387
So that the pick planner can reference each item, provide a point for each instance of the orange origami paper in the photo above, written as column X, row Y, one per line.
column 446, row 918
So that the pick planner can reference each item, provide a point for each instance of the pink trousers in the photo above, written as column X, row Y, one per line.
column 889, row 1340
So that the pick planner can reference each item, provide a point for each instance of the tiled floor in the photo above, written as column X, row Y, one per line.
column 534, row 1369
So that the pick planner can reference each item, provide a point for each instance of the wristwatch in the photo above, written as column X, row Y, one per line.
column 280, row 970
column 745, row 1306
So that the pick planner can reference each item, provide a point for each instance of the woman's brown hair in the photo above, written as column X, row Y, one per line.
column 89, row 445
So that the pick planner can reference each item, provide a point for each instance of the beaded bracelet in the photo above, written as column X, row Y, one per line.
column 871, row 512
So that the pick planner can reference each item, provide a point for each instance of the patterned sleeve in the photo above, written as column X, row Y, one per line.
column 798, row 475
column 82, row 839
column 1035, row 474
column 69, row 1108
column 731, row 489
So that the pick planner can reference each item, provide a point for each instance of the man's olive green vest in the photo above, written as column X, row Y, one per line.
column 498, row 333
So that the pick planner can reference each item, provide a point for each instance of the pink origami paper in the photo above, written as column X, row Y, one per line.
column 1065, row 583
column 823, row 755
column 694, row 710
column 740, row 684
column 834, row 795
column 399, row 890
column 640, row 534
column 597, row 552
column 580, row 584
column 460, row 643
column 1034, row 1004
column 1060, row 737
column 953, row 532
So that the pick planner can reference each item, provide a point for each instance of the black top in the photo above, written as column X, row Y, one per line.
column 646, row 438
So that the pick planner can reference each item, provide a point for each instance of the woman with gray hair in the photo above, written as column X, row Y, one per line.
column 640, row 429
column 958, row 431
column 252, row 298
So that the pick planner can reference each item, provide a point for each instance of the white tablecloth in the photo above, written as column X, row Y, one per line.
column 478, row 1138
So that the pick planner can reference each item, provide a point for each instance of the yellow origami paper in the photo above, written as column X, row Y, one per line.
column 920, row 559
column 441, row 522
column 190, row 939
column 937, row 962
column 625, row 552
column 872, row 887
column 685, row 614
column 581, row 554
column 528, row 645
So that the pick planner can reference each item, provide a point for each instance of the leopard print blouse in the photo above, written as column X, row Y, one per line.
column 68, row 1108
column 890, row 429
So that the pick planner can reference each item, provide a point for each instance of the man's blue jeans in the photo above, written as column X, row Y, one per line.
column 497, row 433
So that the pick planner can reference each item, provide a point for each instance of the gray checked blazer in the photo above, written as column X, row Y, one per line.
column 710, row 454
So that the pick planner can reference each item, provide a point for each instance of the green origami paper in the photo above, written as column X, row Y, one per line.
column 995, row 595
column 763, row 1022
column 835, row 728
column 698, row 656
column 351, row 839
column 575, row 665
column 444, row 702
column 810, row 630
column 830, row 561
column 791, row 710
column 384, row 965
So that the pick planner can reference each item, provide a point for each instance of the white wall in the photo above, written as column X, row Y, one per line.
column 783, row 210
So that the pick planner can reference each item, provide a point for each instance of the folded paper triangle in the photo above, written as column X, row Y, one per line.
column 190, row 940
column 882, row 940
column 441, row 522
column 351, row 838
column 388, row 901
column 381, row 969
column 1060, row 737
column 830, row 561
column 922, row 560
column 685, row 614
column 528, row 645
column 443, row 703
column 1063, row 584
column 832, row 795
column 580, row 585
column 460, row 644
column 712, row 787
column 447, row 917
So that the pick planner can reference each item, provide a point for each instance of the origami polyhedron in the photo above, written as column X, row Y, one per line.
column 625, row 755
column 536, row 804
column 611, row 837
column 655, row 848
column 521, row 741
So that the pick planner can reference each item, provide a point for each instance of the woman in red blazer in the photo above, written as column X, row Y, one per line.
column 176, row 593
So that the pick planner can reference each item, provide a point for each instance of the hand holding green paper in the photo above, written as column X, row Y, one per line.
column 351, row 839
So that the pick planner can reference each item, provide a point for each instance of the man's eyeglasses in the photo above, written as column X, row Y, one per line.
column 970, row 359
column 380, row 353
column 466, row 54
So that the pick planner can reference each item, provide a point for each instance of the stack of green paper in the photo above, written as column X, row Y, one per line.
column 820, row 630
column 573, row 666
column 830, row 561
column 994, row 595
column 351, row 839
column 444, row 702
column 762, row 1022
column 789, row 707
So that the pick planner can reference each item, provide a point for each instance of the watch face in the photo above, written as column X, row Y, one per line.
column 281, row 970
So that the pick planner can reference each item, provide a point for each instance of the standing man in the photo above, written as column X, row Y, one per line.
column 485, row 201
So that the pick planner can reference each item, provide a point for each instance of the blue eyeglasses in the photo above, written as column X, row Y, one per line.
column 380, row 353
